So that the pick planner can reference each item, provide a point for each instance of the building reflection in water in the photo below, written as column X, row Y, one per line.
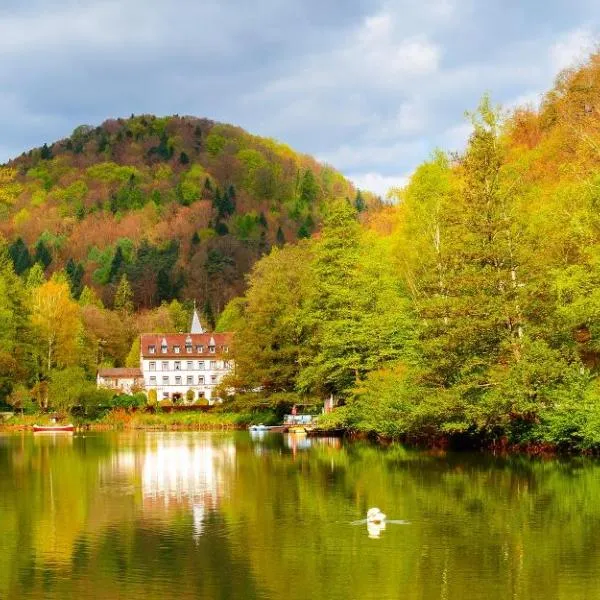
column 179, row 471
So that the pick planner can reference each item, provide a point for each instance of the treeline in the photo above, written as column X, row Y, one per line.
column 470, row 310
column 201, row 200
column 54, row 336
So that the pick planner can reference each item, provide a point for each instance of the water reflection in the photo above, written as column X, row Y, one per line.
column 206, row 516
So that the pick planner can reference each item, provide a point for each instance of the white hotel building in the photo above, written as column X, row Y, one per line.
column 173, row 363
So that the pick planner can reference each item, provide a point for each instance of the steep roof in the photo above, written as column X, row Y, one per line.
column 196, row 325
column 120, row 373
column 221, row 342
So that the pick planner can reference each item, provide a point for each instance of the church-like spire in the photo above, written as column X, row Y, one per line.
column 196, row 325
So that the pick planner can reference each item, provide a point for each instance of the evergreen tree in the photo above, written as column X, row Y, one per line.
column 164, row 287
column 74, row 273
column 117, row 265
column 19, row 253
column 209, row 315
column 195, row 238
column 280, row 238
column 42, row 254
column 184, row 159
column 45, row 152
column 359, row 202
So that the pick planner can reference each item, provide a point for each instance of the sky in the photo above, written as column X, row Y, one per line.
column 371, row 87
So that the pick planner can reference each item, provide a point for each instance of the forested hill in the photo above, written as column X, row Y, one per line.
column 182, row 206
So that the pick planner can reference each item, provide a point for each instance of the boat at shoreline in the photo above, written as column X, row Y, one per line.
column 272, row 428
column 70, row 428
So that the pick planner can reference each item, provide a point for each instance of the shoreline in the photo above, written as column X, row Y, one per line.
column 123, row 421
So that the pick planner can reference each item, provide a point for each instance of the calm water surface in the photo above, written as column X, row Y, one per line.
column 197, row 515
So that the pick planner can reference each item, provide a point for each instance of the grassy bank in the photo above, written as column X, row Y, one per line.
column 121, row 419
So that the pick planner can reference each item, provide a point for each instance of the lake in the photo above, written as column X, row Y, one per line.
column 226, row 515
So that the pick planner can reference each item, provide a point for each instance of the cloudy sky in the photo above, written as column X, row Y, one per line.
column 370, row 86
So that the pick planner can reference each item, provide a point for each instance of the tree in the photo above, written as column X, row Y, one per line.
column 74, row 273
column 123, row 302
column 35, row 277
column 14, row 333
column 42, row 254
column 280, row 238
column 56, row 321
column 67, row 387
column 355, row 316
column 133, row 358
column 268, row 340
column 19, row 253
column 45, row 152
column 180, row 316
column 117, row 264
column 359, row 202
column 89, row 298
column 209, row 315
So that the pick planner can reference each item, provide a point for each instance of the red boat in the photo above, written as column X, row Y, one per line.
column 54, row 428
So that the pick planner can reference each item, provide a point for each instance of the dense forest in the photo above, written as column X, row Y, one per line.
column 182, row 206
column 469, row 310
column 118, row 229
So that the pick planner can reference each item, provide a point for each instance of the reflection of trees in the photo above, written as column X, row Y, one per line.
column 191, row 516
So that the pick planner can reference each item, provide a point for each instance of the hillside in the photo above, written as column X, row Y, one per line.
column 182, row 206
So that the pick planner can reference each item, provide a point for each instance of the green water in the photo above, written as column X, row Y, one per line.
column 200, row 515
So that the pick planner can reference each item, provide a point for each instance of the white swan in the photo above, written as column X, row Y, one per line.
column 374, row 515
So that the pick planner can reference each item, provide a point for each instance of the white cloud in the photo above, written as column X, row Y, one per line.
column 378, row 183
column 571, row 48
column 526, row 100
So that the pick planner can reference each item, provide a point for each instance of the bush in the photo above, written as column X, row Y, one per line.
column 166, row 404
column 152, row 398
column 189, row 396
column 94, row 402
column 129, row 401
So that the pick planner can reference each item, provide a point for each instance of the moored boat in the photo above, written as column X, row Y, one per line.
column 54, row 428
column 273, row 428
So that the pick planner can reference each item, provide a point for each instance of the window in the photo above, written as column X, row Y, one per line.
column 201, row 365
column 176, row 349
column 200, row 395
column 225, row 349
column 152, row 365
column 153, row 380
column 199, row 349
column 213, row 364
column 165, row 365
column 164, row 348
column 189, row 380
column 178, row 380
column 189, row 365
column 152, row 349
column 201, row 380
column 211, row 349
column 226, row 364
column 165, row 394
column 178, row 365
column 165, row 380
column 213, row 379
column 188, row 348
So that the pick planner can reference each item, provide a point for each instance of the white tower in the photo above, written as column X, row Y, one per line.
column 196, row 325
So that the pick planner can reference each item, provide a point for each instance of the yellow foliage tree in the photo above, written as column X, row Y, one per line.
column 56, row 320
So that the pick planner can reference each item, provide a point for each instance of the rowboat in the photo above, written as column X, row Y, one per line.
column 54, row 428
column 272, row 428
